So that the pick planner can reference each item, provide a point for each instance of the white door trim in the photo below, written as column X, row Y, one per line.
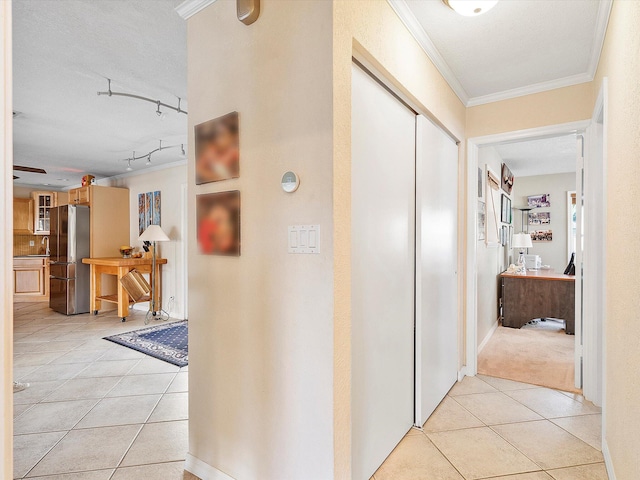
column 473, row 144
column 6, row 237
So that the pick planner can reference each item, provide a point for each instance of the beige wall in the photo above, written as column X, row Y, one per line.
column 261, row 325
column 372, row 31
column 554, row 253
column 552, row 107
column 620, row 63
column 169, row 182
column 489, row 258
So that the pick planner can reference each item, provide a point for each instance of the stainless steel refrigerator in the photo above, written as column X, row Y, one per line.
column 69, row 244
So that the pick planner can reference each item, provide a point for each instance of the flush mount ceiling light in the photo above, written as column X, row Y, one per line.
column 158, row 103
column 470, row 8
column 147, row 155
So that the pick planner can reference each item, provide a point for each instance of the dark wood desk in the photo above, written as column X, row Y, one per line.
column 538, row 294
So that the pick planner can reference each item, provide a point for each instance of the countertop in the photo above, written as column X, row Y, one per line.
column 542, row 275
column 121, row 262
column 30, row 256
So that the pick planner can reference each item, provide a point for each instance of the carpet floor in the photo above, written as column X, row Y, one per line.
column 532, row 355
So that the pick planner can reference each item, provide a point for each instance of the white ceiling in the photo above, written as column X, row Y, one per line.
column 544, row 156
column 516, row 48
column 63, row 52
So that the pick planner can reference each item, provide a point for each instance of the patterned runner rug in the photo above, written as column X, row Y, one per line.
column 166, row 342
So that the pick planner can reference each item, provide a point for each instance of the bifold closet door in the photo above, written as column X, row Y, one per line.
column 436, row 267
column 382, row 272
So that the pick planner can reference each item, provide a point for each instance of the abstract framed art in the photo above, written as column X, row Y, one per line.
column 217, row 145
column 218, row 223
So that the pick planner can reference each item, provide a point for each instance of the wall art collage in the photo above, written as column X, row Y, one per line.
column 540, row 218
column 217, row 158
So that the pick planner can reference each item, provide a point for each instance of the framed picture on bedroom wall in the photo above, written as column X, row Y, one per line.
column 505, row 215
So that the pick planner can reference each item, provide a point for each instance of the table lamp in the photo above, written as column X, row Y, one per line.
column 154, row 234
column 521, row 241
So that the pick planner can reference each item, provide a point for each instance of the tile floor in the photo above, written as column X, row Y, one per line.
column 99, row 411
column 493, row 428
column 94, row 410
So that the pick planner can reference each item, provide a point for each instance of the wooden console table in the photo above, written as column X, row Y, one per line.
column 538, row 294
column 120, row 267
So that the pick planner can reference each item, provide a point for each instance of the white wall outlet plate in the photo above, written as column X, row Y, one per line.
column 304, row 239
column 32, row 243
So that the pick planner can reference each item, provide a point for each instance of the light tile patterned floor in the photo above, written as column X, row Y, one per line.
column 94, row 410
column 99, row 411
column 492, row 428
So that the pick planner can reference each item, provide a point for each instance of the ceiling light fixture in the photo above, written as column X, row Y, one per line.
column 470, row 8
column 148, row 154
column 158, row 103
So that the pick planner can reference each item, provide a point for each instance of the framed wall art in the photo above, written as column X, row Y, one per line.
column 539, row 201
column 505, row 215
column 542, row 236
column 507, row 179
column 217, row 145
column 149, row 210
column 218, row 223
column 539, row 218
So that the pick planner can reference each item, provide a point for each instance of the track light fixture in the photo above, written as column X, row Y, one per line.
column 158, row 103
column 147, row 155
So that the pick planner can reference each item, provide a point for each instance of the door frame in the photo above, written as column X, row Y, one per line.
column 473, row 145
column 6, row 234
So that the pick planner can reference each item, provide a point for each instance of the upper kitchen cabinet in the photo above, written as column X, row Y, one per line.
column 81, row 196
column 23, row 216
column 43, row 202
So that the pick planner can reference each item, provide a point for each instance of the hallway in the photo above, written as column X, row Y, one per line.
column 94, row 410
column 504, row 430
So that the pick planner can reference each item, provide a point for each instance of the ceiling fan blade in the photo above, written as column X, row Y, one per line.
column 15, row 178
column 29, row 169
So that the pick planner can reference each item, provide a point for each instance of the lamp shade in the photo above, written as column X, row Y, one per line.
column 154, row 233
column 521, row 240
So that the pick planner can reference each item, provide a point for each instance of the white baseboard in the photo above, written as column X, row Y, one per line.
column 608, row 463
column 462, row 373
column 487, row 337
column 203, row 470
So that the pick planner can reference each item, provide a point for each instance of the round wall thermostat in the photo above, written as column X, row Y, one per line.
column 290, row 182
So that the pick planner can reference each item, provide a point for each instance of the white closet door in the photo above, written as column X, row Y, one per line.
column 436, row 267
column 382, row 272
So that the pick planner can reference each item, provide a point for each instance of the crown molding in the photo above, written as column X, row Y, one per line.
column 189, row 8
column 415, row 28
column 530, row 89
column 602, row 21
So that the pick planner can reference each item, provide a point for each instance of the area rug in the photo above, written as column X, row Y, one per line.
column 167, row 342
column 532, row 355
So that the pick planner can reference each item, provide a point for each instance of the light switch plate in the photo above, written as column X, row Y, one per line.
column 304, row 239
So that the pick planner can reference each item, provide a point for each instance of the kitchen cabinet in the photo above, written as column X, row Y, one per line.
column 43, row 202
column 31, row 279
column 81, row 195
column 23, row 216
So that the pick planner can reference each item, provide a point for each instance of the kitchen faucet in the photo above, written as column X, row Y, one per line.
column 45, row 238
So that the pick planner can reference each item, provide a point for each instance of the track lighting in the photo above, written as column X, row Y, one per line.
column 111, row 93
column 148, row 154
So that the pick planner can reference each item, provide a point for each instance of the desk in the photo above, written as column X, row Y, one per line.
column 538, row 294
column 120, row 267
